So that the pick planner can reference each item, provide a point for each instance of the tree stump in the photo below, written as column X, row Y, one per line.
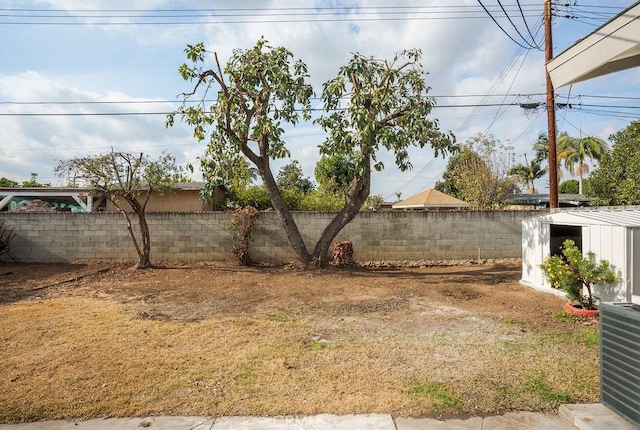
column 343, row 254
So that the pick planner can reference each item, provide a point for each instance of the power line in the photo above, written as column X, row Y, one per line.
column 526, row 24
column 524, row 58
column 133, row 102
column 501, row 111
column 25, row 16
column 269, row 12
column 238, row 15
column 505, row 31
column 248, row 9
column 255, row 21
column 493, row 87
column 534, row 45
column 54, row 114
column 579, row 13
column 434, row 96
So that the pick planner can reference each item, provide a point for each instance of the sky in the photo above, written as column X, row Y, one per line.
column 79, row 77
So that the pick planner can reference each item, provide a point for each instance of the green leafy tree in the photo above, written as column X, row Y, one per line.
column 7, row 183
column 262, row 88
column 33, row 182
column 320, row 200
column 373, row 203
column 569, row 186
column 219, row 167
column 574, row 152
column 451, row 184
column 335, row 172
column 126, row 179
column 616, row 181
column 255, row 196
column 527, row 173
column 479, row 174
column 291, row 177
column 373, row 105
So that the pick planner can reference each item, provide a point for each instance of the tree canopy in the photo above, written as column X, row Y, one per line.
column 291, row 177
column 8, row 183
column 570, row 186
column 616, row 181
column 479, row 174
column 335, row 172
column 527, row 172
column 33, row 182
column 574, row 152
column 371, row 105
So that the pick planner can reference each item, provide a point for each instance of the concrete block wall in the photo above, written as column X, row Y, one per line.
column 64, row 237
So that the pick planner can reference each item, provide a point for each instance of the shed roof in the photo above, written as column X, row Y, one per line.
column 623, row 217
column 430, row 198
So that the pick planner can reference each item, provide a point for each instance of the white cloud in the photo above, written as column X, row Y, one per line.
column 37, row 142
column 139, row 62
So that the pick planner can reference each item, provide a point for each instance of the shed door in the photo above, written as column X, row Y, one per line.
column 560, row 233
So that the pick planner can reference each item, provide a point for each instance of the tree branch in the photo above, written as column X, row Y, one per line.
column 397, row 114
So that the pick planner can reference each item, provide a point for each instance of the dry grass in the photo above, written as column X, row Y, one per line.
column 81, row 357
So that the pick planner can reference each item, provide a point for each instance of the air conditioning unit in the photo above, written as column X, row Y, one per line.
column 620, row 359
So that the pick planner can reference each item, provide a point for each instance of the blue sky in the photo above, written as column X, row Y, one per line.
column 105, row 57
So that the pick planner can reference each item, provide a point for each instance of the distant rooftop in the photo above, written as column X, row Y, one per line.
column 542, row 200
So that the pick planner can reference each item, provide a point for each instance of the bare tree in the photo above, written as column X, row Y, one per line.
column 128, row 181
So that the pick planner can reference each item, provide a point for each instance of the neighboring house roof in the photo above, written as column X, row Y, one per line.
column 430, row 199
column 613, row 47
column 564, row 200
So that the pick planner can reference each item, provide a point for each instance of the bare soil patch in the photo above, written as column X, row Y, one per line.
column 82, row 341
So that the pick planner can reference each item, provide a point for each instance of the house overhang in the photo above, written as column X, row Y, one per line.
column 611, row 48
column 86, row 198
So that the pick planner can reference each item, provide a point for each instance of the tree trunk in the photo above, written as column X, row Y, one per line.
column 288, row 223
column 580, row 167
column 357, row 193
column 144, row 251
column 145, row 259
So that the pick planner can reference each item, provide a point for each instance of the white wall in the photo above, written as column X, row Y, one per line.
column 633, row 259
column 610, row 242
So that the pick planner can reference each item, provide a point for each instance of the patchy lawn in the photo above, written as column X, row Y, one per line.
column 81, row 341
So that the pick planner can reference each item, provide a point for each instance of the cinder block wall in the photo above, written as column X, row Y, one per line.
column 64, row 237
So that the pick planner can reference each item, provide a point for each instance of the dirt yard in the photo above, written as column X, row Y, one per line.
column 82, row 341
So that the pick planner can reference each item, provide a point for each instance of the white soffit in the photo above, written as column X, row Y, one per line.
column 611, row 48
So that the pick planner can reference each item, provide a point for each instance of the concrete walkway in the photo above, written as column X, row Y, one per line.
column 570, row 417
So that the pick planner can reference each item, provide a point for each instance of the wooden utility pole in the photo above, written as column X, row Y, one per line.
column 551, row 109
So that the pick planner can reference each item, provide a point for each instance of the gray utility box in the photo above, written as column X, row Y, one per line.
column 620, row 359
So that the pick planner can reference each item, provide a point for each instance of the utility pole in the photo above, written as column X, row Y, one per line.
column 551, row 109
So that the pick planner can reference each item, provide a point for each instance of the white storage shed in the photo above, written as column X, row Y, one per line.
column 612, row 234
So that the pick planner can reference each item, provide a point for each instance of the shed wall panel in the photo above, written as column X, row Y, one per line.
column 633, row 280
column 612, row 234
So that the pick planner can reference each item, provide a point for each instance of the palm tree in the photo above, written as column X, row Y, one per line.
column 528, row 172
column 541, row 146
column 575, row 151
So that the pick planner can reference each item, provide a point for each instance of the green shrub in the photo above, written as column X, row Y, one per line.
column 572, row 271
